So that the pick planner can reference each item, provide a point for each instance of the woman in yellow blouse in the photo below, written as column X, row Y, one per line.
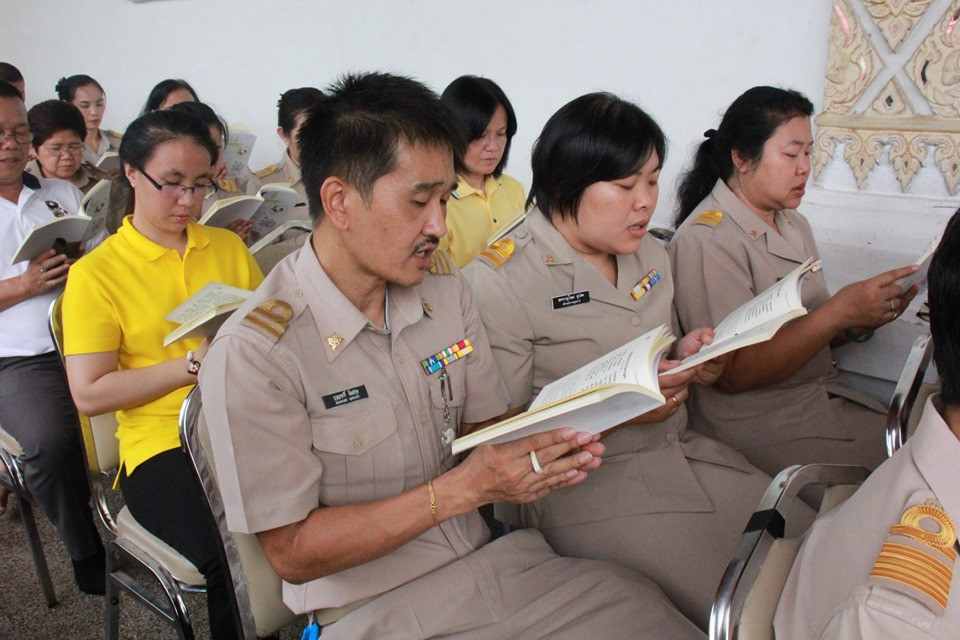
column 113, row 311
column 485, row 200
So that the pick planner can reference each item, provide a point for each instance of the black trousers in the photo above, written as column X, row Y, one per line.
column 165, row 496
column 37, row 410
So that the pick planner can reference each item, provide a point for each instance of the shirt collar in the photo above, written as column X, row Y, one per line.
column 149, row 250
column 936, row 452
column 786, row 244
column 31, row 181
column 338, row 320
column 464, row 189
column 289, row 169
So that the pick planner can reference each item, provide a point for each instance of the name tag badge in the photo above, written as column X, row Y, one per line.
column 570, row 300
column 346, row 396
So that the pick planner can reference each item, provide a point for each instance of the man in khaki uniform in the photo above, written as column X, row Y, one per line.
column 883, row 565
column 667, row 502
column 724, row 255
column 332, row 425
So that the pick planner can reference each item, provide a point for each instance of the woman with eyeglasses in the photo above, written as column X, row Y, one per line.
column 88, row 96
column 58, row 132
column 113, row 310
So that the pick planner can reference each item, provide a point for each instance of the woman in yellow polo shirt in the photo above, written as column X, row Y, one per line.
column 113, row 312
column 485, row 200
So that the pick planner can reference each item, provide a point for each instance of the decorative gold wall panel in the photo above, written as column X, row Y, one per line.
column 882, row 109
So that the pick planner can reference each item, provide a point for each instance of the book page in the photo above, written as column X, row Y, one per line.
column 924, row 261
column 211, row 296
column 96, row 205
column 63, row 231
column 629, row 364
column 236, row 154
column 775, row 301
column 271, row 212
column 223, row 213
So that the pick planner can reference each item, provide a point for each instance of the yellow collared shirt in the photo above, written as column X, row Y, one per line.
column 116, row 299
column 472, row 216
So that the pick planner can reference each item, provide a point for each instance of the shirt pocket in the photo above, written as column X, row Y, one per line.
column 361, row 454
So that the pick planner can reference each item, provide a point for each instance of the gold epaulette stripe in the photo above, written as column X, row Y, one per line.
column 263, row 173
column 905, row 561
column 493, row 257
column 440, row 263
column 925, row 537
column 272, row 317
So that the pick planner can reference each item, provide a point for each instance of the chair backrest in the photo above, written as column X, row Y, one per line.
column 258, row 589
column 906, row 404
column 100, row 445
column 750, row 589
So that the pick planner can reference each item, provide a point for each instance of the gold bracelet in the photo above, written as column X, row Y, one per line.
column 433, row 502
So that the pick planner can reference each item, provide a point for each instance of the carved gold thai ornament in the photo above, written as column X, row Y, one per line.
column 889, row 123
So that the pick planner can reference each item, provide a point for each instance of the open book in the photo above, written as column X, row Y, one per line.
column 236, row 155
column 65, row 234
column 601, row 394
column 97, row 206
column 757, row 320
column 201, row 315
column 924, row 261
column 265, row 210
column 109, row 162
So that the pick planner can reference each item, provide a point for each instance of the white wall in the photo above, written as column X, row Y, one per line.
column 682, row 60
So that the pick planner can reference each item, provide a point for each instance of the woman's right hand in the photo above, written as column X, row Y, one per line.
column 872, row 303
column 505, row 472
column 45, row 272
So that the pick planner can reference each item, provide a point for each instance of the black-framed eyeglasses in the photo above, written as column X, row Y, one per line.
column 176, row 191
column 924, row 312
column 22, row 136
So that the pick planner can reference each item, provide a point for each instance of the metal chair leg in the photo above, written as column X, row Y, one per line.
column 36, row 550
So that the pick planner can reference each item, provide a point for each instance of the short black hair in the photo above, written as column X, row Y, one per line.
column 205, row 114
column 474, row 100
column 152, row 129
column 355, row 133
column 943, row 297
column 66, row 88
column 50, row 116
column 748, row 123
column 292, row 103
column 594, row 138
column 10, row 74
column 7, row 90
column 163, row 89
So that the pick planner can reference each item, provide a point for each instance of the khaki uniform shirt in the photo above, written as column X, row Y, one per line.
column 84, row 179
column 721, row 262
column 109, row 141
column 324, row 409
column 536, row 340
column 829, row 593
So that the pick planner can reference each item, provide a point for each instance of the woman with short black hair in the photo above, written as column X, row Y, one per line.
column 666, row 502
column 58, row 132
column 485, row 199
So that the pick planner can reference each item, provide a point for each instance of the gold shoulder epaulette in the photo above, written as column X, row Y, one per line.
column 270, row 318
column 263, row 173
column 498, row 252
column 440, row 263
column 919, row 556
column 710, row 218
column 115, row 134
column 228, row 184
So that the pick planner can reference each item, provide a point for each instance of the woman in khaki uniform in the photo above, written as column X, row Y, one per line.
column 666, row 502
column 779, row 402
column 88, row 96
column 58, row 130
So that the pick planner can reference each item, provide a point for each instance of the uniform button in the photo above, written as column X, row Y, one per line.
column 401, row 358
column 423, row 419
column 358, row 443
column 671, row 437
column 521, row 234
column 635, row 321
